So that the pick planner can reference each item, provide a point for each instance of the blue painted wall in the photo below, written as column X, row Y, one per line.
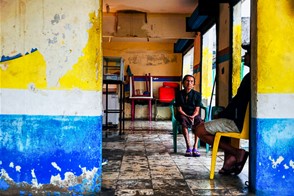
column 272, row 153
column 35, row 142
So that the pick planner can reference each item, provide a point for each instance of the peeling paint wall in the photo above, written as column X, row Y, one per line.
column 272, row 69
column 143, row 25
column 51, row 96
column 146, row 57
column 208, row 64
column 236, row 49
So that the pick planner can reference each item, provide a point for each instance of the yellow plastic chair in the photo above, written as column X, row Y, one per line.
column 244, row 134
column 177, row 126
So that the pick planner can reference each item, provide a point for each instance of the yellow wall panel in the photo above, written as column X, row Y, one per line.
column 237, row 39
column 275, row 50
column 206, row 73
column 28, row 71
column 89, row 66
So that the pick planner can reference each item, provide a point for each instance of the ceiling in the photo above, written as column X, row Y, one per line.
column 165, row 8
column 151, row 6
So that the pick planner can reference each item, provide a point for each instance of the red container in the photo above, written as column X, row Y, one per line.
column 166, row 94
column 171, row 84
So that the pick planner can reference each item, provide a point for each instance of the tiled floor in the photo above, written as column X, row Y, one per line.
column 142, row 162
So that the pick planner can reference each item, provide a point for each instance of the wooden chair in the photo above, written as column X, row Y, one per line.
column 145, row 95
column 176, row 126
column 244, row 134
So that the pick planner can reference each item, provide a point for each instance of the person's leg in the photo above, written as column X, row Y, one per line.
column 187, row 140
column 185, row 122
column 195, row 151
column 197, row 121
column 195, row 146
column 203, row 134
column 186, row 136
column 228, row 165
column 237, row 154
column 228, row 158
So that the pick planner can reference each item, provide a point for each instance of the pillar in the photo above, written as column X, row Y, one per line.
column 272, row 125
column 51, row 97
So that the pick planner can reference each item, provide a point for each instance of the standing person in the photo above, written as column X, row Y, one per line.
column 230, row 120
column 188, row 112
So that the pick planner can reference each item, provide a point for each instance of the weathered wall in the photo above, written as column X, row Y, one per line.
column 272, row 134
column 156, row 58
column 206, row 65
column 145, row 25
column 236, row 48
column 196, row 67
column 223, row 56
column 51, row 108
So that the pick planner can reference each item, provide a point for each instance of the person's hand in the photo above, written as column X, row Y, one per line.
column 191, row 118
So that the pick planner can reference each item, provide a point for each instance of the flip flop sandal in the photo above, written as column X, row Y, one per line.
column 188, row 153
column 224, row 171
column 239, row 166
column 196, row 153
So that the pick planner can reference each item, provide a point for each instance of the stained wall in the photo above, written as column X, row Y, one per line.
column 51, row 108
column 197, row 60
column 223, row 55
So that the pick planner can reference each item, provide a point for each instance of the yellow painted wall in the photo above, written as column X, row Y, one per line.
column 236, row 72
column 206, row 73
column 236, row 48
column 275, row 51
column 25, row 72
column 63, row 56
column 87, row 72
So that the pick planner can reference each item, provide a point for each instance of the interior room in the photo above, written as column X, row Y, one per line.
column 144, row 36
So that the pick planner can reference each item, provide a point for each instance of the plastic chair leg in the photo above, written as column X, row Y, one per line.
column 207, row 148
column 175, row 137
column 213, row 155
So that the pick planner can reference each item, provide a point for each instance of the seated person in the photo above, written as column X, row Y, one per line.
column 230, row 120
column 188, row 106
